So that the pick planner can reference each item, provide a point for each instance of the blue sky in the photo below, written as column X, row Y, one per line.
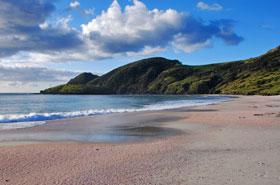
column 44, row 43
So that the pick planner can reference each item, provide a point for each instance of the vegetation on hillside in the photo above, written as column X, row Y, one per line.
column 259, row 75
column 82, row 79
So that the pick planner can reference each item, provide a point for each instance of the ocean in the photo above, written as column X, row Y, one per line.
column 26, row 110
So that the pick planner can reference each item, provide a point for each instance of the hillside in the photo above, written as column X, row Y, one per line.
column 82, row 79
column 260, row 75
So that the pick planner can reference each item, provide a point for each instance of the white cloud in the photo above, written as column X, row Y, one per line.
column 33, row 75
column 134, row 20
column 74, row 4
column 21, row 78
column 210, row 7
column 44, row 25
column 28, row 30
column 181, row 42
column 136, row 28
column 89, row 11
column 63, row 23
column 133, row 30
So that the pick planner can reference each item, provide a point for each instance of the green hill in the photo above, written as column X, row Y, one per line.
column 82, row 79
column 260, row 75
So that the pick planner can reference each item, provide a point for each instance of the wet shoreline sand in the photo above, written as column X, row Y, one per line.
column 235, row 142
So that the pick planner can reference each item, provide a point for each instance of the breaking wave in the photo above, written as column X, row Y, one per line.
column 33, row 119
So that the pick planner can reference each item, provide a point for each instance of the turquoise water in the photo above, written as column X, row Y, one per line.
column 35, row 108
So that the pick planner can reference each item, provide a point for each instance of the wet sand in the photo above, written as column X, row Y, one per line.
column 235, row 142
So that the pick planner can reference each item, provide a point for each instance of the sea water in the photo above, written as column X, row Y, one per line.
column 26, row 110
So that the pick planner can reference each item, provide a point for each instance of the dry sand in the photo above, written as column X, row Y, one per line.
column 236, row 143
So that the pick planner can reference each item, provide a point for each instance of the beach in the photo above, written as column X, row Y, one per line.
column 235, row 142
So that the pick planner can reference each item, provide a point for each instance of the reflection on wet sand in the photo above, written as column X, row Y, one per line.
column 98, row 129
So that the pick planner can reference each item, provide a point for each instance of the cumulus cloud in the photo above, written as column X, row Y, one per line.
column 133, row 30
column 210, row 7
column 136, row 28
column 130, row 31
column 33, row 74
column 74, row 4
column 23, row 27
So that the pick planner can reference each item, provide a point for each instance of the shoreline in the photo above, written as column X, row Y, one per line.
column 235, row 142
column 42, row 126
column 22, row 120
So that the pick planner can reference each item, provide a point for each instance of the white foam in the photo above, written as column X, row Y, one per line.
column 11, row 121
column 179, row 104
